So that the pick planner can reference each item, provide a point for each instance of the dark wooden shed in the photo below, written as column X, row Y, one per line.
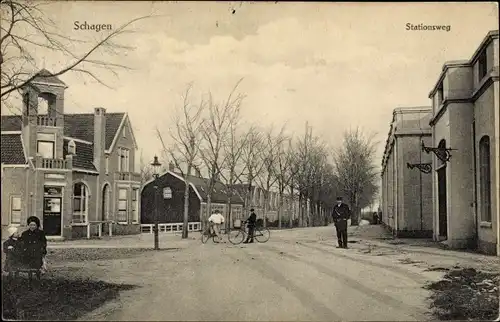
column 169, row 210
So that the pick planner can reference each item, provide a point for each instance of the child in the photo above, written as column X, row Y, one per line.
column 34, row 244
column 12, row 249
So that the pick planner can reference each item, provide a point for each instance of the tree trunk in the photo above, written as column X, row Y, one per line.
column 280, row 208
column 300, row 210
column 266, row 197
column 185, row 221
column 228, row 221
column 292, row 207
column 208, row 211
column 354, row 210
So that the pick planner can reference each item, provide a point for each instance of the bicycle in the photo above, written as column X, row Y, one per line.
column 207, row 234
column 238, row 235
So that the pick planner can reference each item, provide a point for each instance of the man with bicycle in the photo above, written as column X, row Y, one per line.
column 215, row 221
column 251, row 222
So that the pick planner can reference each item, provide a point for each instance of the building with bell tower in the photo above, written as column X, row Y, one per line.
column 76, row 172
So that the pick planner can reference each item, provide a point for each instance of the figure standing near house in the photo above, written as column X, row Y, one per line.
column 341, row 213
column 34, row 244
column 12, row 248
column 216, row 220
column 251, row 222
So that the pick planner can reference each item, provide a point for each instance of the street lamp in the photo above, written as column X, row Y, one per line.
column 156, row 168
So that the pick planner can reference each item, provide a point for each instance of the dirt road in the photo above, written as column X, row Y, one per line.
column 291, row 277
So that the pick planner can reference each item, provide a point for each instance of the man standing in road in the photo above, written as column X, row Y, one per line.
column 251, row 221
column 216, row 220
column 341, row 213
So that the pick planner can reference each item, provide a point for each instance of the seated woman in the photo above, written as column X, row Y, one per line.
column 34, row 244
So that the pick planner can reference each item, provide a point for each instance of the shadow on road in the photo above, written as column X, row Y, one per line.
column 55, row 298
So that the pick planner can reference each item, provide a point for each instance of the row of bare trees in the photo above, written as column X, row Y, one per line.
column 212, row 139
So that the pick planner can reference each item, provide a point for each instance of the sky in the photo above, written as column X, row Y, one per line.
column 335, row 65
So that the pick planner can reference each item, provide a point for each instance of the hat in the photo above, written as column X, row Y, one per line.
column 12, row 230
column 35, row 220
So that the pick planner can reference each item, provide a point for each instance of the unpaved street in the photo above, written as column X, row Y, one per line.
column 295, row 276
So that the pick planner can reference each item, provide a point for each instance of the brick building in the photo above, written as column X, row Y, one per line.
column 256, row 200
column 465, row 108
column 407, row 190
column 70, row 170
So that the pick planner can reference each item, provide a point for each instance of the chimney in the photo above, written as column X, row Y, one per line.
column 171, row 166
column 99, row 136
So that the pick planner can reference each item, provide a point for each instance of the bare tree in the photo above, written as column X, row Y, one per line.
column 233, row 168
column 267, row 177
column 215, row 132
column 311, row 162
column 26, row 29
column 285, row 172
column 184, row 151
column 146, row 170
column 252, row 161
column 356, row 170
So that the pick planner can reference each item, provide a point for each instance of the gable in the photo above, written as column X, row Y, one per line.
column 125, row 131
column 12, row 149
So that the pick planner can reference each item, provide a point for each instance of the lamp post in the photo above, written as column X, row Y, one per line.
column 156, row 168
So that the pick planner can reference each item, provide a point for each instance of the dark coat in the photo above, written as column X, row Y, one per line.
column 341, row 213
column 13, row 255
column 252, row 220
column 34, row 247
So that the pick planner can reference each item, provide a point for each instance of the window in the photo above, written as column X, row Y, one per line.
column 135, row 205
column 482, row 65
column 439, row 96
column 218, row 207
column 122, row 206
column 43, row 106
column 106, row 164
column 71, row 147
column 45, row 145
column 15, row 210
column 123, row 160
column 124, row 131
column 236, row 212
column 80, row 203
column 485, row 178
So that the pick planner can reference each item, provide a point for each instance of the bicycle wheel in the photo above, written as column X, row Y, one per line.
column 262, row 235
column 236, row 236
column 204, row 237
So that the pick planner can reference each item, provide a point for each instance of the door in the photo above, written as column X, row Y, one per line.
column 442, row 203
column 52, row 211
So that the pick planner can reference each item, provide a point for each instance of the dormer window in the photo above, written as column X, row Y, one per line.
column 71, row 147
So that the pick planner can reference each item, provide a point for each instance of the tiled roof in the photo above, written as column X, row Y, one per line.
column 46, row 77
column 11, row 123
column 12, row 149
column 219, row 195
column 78, row 126
column 84, row 155
column 81, row 126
